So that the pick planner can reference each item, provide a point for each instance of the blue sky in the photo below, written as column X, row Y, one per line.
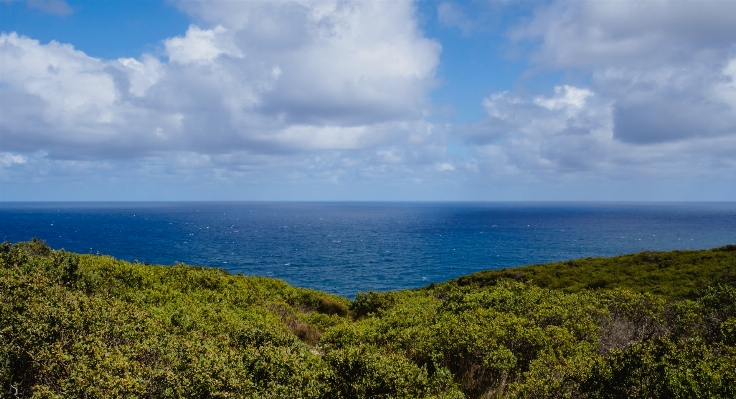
column 367, row 100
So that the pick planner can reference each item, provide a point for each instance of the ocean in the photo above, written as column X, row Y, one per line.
column 345, row 248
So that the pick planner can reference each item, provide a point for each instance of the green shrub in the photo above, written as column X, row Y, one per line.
column 367, row 303
column 654, row 325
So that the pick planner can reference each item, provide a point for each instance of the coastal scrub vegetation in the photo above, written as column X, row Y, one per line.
column 649, row 325
column 672, row 275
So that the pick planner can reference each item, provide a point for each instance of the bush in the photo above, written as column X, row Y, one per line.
column 367, row 303
column 82, row 325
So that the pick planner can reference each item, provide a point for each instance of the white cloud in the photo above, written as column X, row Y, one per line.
column 267, row 77
column 393, row 155
column 141, row 75
column 254, row 92
column 567, row 131
column 9, row 159
column 629, row 33
column 666, row 65
column 444, row 167
column 201, row 46
column 53, row 93
column 659, row 101
column 569, row 98
column 338, row 63
column 337, row 92
column 576, row 132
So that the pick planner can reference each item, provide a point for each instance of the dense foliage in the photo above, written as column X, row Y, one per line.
column 676, row 274
column 662, row 326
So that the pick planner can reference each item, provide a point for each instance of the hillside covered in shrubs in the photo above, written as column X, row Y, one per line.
column 649, row 325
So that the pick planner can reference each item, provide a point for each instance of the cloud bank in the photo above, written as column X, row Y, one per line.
column 328, row 93
column 659, row 100
column 263, row 78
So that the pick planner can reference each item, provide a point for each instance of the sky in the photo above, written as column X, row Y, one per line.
column 338, row 100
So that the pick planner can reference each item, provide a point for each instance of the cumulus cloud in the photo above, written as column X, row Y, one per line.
column 59, row 100
column 330, row 63
column 561, row 132
column 667, row 65
column 53, row 94
column 611, row 34
column 575, row 131
column 201, row 46
column 671, row 103
column 338, row 92
column 260, row 77
column 659, row 98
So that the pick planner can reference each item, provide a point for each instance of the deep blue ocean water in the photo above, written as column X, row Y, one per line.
column 344, row 248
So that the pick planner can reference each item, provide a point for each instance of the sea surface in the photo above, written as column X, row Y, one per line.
column 345, row 248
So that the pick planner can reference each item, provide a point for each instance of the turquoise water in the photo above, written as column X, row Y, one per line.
column 349, row 247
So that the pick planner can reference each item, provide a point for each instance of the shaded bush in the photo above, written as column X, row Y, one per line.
column 330, row 306
column 371, row 302
column 364, row 372
column 726, row 248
